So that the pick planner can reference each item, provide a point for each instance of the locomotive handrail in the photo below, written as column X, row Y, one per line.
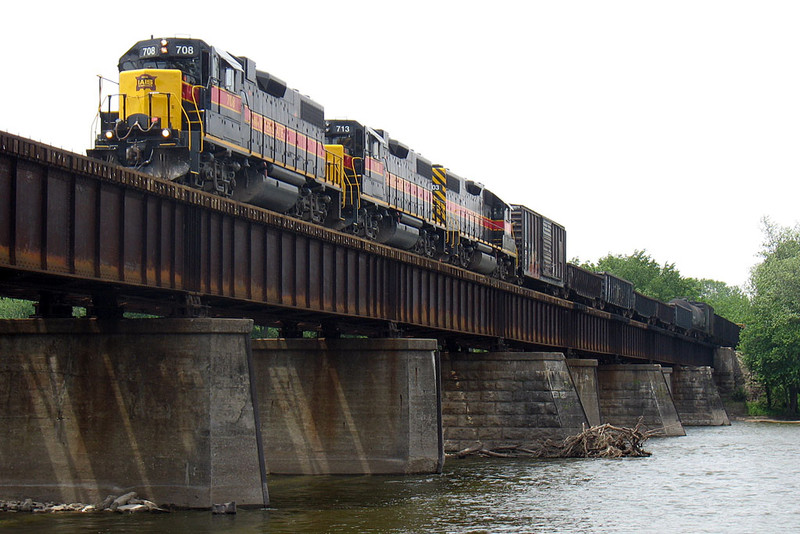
column 189, row 120
column 337, row 173
column 122, row 97
column 353, row 185
column 334, row 165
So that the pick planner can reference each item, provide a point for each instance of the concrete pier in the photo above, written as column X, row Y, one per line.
column 667, row 372
column 510, row 398
column 584, row 376
column 158, row 406
column 728, row 373
column 632, row 391
column 350, row 406
column 696, row 397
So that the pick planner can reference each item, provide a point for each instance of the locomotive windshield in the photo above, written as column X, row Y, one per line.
column 349, row 134
column 189, row 66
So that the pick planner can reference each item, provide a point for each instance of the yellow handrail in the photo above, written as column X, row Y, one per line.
column 189, row 121
column 339, row 175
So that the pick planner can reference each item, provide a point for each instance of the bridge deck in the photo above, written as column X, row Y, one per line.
column 73, row 225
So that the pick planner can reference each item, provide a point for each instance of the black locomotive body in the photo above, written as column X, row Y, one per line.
column 196, row 114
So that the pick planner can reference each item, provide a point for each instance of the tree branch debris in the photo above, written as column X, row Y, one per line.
column 603, row 441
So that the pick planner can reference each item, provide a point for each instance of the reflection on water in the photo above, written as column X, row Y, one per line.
column 743, row 478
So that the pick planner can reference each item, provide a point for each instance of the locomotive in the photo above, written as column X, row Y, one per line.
column 195, row 114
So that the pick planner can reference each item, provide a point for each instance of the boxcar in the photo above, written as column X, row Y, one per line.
column 541, row 246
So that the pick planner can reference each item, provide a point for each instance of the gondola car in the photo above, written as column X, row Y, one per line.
column 617, row 294
column 726, row 333
column 585, row 286
column 652, row 310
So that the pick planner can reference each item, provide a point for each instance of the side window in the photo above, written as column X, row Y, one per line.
column 374, row 147
column 227, row 80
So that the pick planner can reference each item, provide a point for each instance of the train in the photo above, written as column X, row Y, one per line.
column 195, row 114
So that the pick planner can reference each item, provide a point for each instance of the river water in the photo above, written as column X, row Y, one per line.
column 742, row 478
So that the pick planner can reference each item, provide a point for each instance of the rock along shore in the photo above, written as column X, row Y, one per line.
column 128, row 503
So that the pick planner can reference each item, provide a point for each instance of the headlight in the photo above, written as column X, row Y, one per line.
column 166, row 132
column 109, row 134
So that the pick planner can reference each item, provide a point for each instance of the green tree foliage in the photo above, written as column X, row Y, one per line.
column 771, row 339
column 15, row 308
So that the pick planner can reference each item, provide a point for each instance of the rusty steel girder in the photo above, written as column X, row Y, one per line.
column 76, row 225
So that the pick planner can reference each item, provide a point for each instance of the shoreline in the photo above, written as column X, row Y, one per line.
column 762, row 419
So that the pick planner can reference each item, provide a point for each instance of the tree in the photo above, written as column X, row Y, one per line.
column 730, row 302
column 15, row 308
column 771, row 338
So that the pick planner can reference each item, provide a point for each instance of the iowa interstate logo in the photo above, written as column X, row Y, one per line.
column 146, row 82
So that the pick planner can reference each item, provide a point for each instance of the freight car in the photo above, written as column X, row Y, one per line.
column 541, row 248
column 198, row 115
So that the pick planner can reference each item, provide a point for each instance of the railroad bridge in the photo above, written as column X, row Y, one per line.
column 412, row 356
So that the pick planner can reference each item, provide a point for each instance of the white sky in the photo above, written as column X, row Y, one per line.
column 667, row 126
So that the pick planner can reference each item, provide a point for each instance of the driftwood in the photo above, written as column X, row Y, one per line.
column 603, row 441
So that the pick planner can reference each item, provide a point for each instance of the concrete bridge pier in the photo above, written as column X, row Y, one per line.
column 696, row 397
column 162, row 407
column 728, row 373
column 350, row 406
column 584, row 376
column 631, row 391
column 507, row 398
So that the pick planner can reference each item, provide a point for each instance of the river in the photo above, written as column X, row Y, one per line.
column 742, row 478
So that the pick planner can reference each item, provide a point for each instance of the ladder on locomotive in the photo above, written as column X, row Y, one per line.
column 194, row 125
column 351, row 187
column 339, row 174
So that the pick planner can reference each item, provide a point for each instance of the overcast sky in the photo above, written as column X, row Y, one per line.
column 672, row 127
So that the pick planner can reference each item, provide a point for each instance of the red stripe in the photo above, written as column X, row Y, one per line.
column 225, row 99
